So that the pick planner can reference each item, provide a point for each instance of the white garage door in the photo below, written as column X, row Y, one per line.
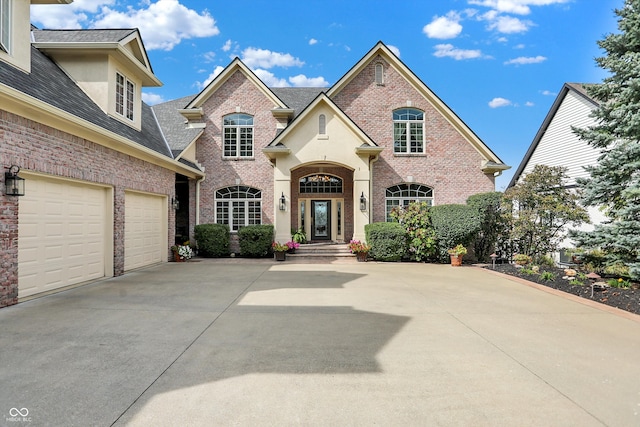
column 61, row 235
column 145, row 230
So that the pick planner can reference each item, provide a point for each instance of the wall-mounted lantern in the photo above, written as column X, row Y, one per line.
column 363, row 202
column 14, row 185
column 175, row 203
column 283, row 203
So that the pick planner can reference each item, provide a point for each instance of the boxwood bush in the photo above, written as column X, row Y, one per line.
column 453, row 225
column 212, row 240
column 255, row 240
column 388, row 241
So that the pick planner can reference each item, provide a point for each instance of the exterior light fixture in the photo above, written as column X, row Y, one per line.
column 363, row 202
column 175, row 203
column 283, row 203
column 14, row 185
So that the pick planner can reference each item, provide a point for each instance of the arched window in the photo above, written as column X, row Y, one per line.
column 238, row 135
column 408, row 131
column 379, row 74
column 403, row 194
column 322, row 124
column 320, row 183
column 238, row 206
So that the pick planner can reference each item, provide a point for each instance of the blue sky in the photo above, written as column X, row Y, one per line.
column 498, row 64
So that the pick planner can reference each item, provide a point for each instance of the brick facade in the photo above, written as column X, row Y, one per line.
column 42, row 149
column 450, row 165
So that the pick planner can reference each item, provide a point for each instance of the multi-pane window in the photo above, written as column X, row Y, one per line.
column 5, row 25
column 125, row 91
column 403, row 194
column 408, row 131
column 238, row 135
column 238, row 206
column 320, row 183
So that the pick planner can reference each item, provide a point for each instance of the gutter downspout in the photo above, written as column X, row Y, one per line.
column 198, row 182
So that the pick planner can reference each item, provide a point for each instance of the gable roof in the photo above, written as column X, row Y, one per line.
column 492, row 161
column 577, row 88
column 235, row 65
column 125, row 43
column 173, row 124
column 297, row 98
column 276, row 145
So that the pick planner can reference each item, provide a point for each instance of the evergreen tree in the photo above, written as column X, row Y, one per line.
column 614, row 183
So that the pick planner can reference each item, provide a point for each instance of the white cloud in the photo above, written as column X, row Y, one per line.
column 303, row 81
column 152, row 98
column 499, row 102
column 226, row 47
column 163, row 24
column 312, row 42
column 509, row 25
column 394, row 49
column 263, row 58
column 518, row 7
column 529, row 104
column 212, row 76
column 209, row 56
column 270, row 79
column 548, row 93
column 444, row 27
column 522, row 60
column 448, row 50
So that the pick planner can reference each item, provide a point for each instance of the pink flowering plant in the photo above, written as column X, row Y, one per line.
column 293, row 245
column 356, row 246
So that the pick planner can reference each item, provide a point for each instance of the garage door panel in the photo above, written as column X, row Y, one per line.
column 61, row 235
column 145, row 230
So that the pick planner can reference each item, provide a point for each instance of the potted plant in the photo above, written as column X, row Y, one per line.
column 456, row 255
column 360, row 249
column 279, row 251
column 182, row 252
column 299, row 236
column 292, row 245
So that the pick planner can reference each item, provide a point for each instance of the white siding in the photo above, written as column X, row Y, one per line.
column 559, row 146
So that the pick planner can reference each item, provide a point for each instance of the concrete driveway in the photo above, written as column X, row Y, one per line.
column 211, row 343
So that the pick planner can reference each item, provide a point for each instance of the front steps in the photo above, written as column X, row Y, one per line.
column 322, row 252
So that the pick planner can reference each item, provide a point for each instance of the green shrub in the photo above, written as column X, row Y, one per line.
column 544, row 260
column 547, row 276
column 212, row 240
column 387, row 240
column 453, row 225
column 419, row 231
column 255, row 240
column 492, row 223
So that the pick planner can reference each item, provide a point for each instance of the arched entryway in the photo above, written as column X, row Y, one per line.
column 322, row 202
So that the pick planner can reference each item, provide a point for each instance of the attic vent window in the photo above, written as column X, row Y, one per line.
column 322, row 124
column 379, row 74
column 125, row 91
column 5, row 24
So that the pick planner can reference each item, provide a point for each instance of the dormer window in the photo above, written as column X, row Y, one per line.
column 125, row 90
column 5, row 25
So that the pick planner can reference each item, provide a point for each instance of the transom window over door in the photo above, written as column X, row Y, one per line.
column 320, row 183
column 408, row 131
column 238, row 206
column 403, row 194
column 125, row 91
column 238, row 135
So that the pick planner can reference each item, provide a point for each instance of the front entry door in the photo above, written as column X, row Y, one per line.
column 320, row 220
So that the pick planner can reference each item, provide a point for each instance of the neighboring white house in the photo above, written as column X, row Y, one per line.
column 556, row 144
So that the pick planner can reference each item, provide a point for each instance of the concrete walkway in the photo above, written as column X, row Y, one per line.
column 252, row 343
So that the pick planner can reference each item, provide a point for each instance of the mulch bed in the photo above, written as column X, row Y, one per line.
column 625, row 299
